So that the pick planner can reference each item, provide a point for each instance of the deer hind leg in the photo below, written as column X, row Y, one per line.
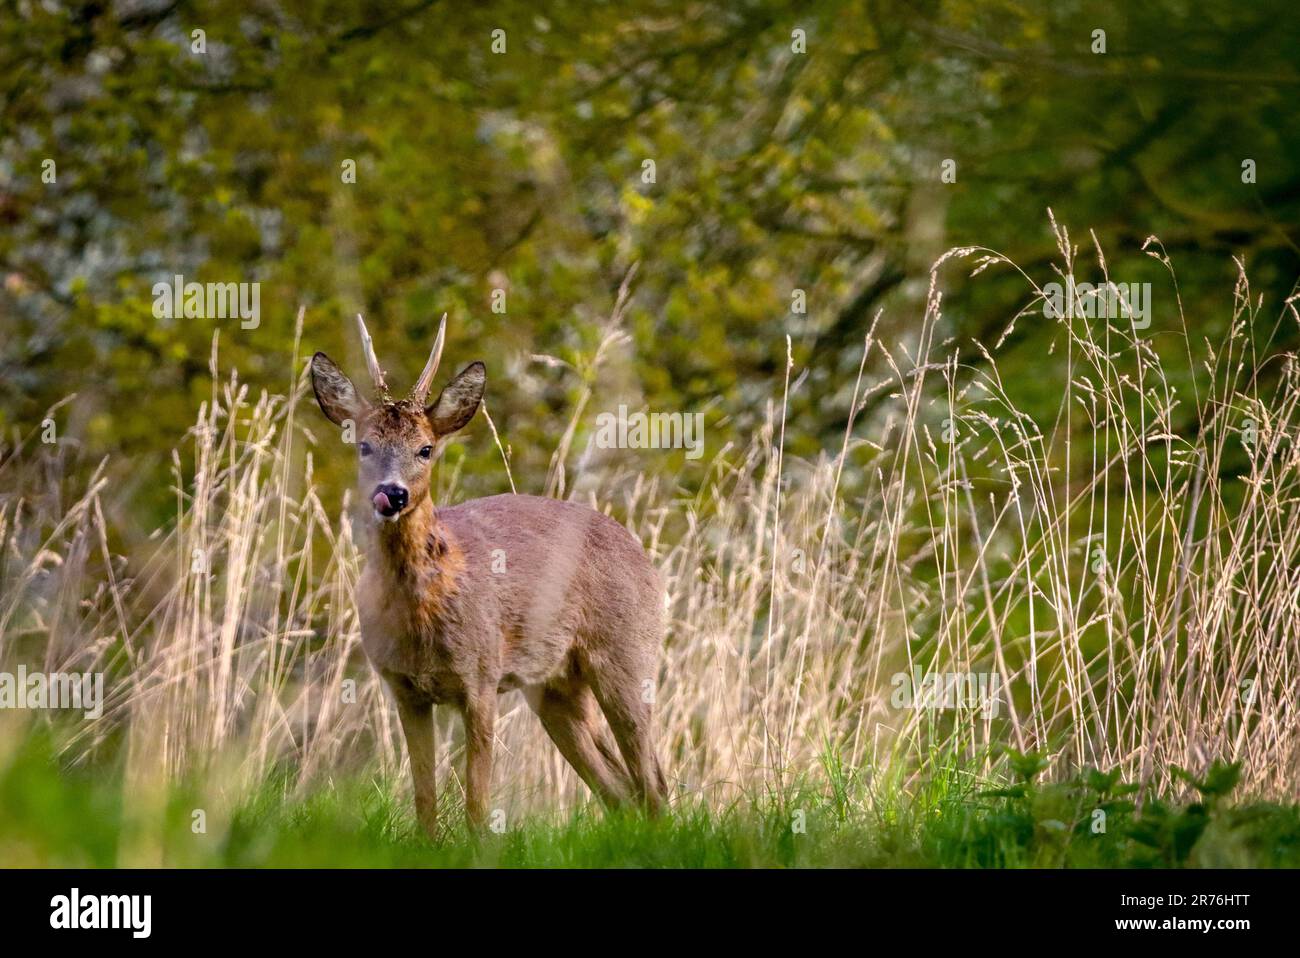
column 571, row 718
column 619, row 692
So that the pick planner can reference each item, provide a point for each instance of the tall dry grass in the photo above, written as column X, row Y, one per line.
column 1129, row 568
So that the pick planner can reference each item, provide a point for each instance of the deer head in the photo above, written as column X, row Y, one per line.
column 397, row 441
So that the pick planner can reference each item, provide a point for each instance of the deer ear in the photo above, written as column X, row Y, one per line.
column 458, row 402
column 334, row 391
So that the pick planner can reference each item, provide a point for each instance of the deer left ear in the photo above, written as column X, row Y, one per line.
column 334, row 391
column 457, row 403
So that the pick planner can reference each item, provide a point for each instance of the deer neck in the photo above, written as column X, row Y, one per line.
column 416, row 549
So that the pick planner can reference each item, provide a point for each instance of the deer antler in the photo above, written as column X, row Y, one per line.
column 422, row 385
column 372, row 362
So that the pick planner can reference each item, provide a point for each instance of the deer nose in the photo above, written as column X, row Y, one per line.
column 389, row 499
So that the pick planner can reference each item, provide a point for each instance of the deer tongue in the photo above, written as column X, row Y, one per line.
column 381, row 502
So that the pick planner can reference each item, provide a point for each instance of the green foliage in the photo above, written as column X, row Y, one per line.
column 1092, row 820
column 521, row 171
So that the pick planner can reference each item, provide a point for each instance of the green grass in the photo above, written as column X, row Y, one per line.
column 52, row 816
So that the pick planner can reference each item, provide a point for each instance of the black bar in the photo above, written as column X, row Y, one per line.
column 657, row 908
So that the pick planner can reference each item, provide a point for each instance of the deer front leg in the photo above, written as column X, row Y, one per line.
column 480, row 713
column 416, row 715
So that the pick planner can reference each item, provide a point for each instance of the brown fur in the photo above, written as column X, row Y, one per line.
column 461, row 603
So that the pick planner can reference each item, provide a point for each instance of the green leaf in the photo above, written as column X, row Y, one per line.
column 1026, row 765
column 1221, row 779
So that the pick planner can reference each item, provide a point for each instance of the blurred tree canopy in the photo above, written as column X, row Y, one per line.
column 738, row 151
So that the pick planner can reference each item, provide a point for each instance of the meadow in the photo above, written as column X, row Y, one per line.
column 68, row 819
column 1127, row 569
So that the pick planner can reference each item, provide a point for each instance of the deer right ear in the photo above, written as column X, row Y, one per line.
column 334, row 391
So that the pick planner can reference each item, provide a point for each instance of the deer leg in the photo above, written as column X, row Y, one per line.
column 416, row 716
column 608, row 748
column 480, row 712
column 629, row 716
column 569, row 715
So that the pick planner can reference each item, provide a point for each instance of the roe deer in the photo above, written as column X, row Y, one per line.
column 460, row 603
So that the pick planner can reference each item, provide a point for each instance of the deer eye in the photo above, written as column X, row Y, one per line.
column 364, row 449
column 425, row 452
